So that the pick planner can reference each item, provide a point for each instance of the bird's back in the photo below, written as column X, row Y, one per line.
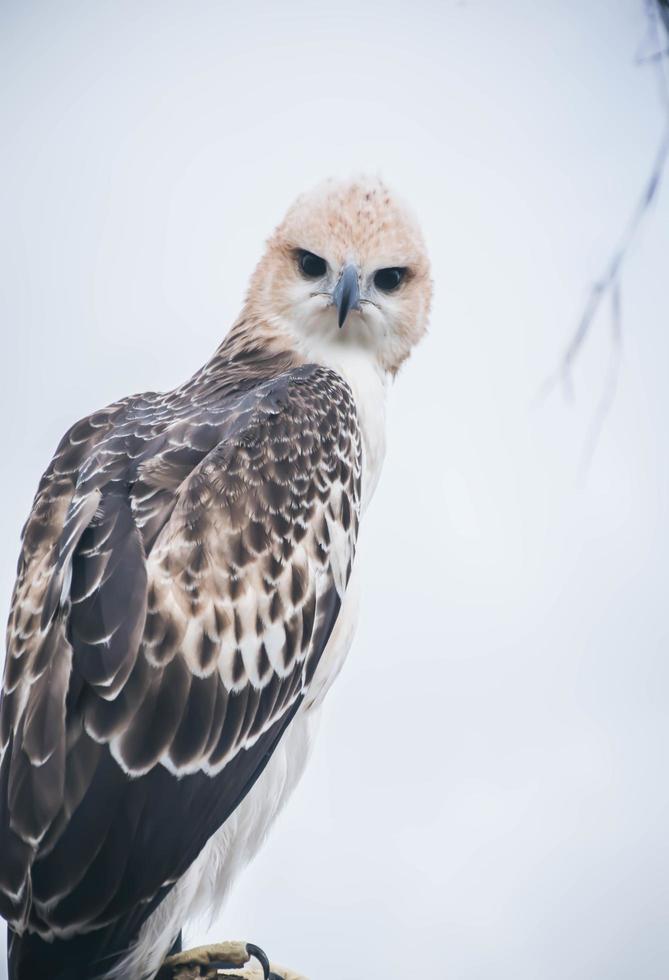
column 121, row 721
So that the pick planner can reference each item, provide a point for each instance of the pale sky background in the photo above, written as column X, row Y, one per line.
column 489, row 795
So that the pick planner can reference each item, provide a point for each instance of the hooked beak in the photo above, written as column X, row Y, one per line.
column 346, row 295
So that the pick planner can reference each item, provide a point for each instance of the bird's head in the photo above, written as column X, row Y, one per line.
column 346, row 268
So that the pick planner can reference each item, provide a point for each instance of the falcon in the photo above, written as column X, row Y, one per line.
column 186, row 595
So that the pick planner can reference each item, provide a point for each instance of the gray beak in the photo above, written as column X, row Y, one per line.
column 346, row 293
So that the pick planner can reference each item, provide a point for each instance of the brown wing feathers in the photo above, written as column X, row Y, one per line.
column 176, row 589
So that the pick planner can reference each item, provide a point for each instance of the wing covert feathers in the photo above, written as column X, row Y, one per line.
column 180, row 573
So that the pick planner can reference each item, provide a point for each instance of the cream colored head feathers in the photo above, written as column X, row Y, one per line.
column 346, row 269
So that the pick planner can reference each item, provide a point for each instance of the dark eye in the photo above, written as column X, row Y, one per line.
column 313, row 266
column 388, row 279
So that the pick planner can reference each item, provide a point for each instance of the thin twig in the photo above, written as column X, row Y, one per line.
column 611, row 385
column 609, row 284
column 649, row 59
column 611, row 276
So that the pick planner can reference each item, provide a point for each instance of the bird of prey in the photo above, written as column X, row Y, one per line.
column 186, row 595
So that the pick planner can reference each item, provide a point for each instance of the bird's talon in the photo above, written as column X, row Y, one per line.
column 261, row 956
column 208, row 961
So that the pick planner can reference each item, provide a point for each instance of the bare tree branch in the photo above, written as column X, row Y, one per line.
column 609, row 284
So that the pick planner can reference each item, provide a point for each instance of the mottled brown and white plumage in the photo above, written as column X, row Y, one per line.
column 184, row 598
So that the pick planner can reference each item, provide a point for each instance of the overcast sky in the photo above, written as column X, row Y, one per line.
column 489, row 793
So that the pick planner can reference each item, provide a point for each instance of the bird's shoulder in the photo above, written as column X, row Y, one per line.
column 151, row 443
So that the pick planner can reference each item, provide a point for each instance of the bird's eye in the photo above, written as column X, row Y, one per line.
column 388, row 279
column 312, row 266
